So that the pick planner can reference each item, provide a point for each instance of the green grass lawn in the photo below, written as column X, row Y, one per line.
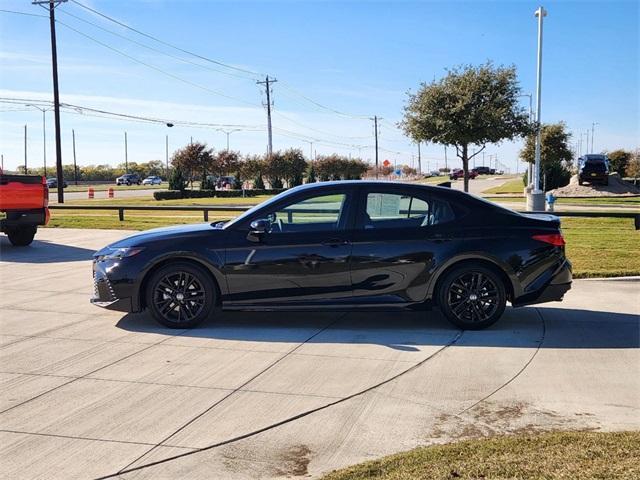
column 510, row 186
column 568, row 201
column 566, row 455
column 602, row 247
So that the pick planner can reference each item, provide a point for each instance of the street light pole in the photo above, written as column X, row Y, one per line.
column 535, row 200
column 44, row 134
column 126, row 155
column 26, row 172
column 593, row 130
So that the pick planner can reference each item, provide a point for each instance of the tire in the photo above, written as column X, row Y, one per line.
column 472, row 296
column 169, row 289
column 22, row 236
column 580, row 182
column 606, row 182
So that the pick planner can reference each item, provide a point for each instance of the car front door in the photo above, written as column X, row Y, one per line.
column 302, row 257
column 397, row 239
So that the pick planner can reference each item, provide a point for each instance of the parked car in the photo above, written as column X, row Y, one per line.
column 458, row 173
column 52, row 182
column 152, row 180
column 346, row 244
column 129, row 179
column 482, row 170
column 226, row 182
column 593, row 168
column 24, row 201
column 435, row 173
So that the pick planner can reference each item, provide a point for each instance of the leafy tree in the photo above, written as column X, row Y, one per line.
column 312, row 177
column 633, row 167
column 294, row 165
column 195, row 158
column 275, row 168
column 469, row 106
column 354, row 169
column 555, row 155
column 253, row 168
column 618, row 160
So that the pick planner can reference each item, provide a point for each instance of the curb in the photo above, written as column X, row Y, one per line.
column 634, row 278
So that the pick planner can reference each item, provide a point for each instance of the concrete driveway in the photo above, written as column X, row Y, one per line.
column 87, row 393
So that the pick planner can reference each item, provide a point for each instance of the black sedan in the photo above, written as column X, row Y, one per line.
column 350, row 244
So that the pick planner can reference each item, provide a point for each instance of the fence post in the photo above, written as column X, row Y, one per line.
column 121, row 214
column 206, row 215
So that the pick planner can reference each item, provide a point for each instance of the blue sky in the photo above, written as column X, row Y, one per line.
column 355, row 57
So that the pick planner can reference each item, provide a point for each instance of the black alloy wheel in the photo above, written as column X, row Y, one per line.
column 472, row 297
column 180, row 295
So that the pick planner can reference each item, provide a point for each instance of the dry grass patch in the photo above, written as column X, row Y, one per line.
column 559, row 455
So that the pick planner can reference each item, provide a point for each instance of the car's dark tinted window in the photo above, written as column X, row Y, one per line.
column 316, row 214
column 394, row 210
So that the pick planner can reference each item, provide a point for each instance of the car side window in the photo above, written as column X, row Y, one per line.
column 315, row 214
column 393, row 210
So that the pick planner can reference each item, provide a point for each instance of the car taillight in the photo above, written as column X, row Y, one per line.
column 555, row 239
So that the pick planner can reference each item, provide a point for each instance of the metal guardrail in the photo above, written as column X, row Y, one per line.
column 206, row 209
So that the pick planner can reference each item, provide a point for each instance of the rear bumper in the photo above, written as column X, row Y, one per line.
column 552, row 291
column 594, row 176
column 24, row 218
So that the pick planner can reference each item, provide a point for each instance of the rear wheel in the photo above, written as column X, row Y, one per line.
column 580, row 182
column 22, row 236
column 472, row 297
column 181, row 295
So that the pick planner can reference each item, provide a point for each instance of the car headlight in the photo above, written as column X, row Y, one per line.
column 111, row 253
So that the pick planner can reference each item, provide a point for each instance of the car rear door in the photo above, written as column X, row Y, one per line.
column 397, row 239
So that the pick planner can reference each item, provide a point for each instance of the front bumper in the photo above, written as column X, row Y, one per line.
column 552, row 290
column 104, row 295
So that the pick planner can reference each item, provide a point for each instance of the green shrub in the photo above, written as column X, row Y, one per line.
column 176, row 194
column 177, row 180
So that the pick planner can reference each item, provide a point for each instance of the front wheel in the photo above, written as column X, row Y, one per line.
column 472, row 297
column 180, row 295
column 22, row 236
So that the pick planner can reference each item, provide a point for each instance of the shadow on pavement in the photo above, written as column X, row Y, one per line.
column 406, row 330
column 41, row 251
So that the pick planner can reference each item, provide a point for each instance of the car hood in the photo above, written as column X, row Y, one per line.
column 167, row 234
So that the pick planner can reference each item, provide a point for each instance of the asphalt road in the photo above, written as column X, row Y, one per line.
column 86, row 393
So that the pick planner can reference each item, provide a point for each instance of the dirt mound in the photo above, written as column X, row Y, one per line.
column 616, row 187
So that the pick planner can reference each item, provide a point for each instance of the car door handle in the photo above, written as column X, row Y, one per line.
column 439, row 237
column 335, row 242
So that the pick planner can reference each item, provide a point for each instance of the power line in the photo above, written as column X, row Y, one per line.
column 153, row 67
column 23, row 13
column 156, row 39
column 217, row 62
column 184, row 60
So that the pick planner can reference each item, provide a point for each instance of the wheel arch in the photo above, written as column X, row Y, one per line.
column 214, row 274
column 492, row 264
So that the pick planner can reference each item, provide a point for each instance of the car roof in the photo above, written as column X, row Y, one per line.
column 369, row 183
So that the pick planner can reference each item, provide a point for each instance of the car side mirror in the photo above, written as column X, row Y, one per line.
column 257, row 229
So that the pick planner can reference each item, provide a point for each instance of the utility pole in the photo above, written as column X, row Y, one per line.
column 587, row 134
column 419, row 160
column 593, row 130
column 166, row 153
column 126, row 154
column 375, row 127
column 25, row 150
column 483, row 159
column 267, row 82
column 535, row 200
column 56, row 96
column 75, row 166
column 445, row 158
